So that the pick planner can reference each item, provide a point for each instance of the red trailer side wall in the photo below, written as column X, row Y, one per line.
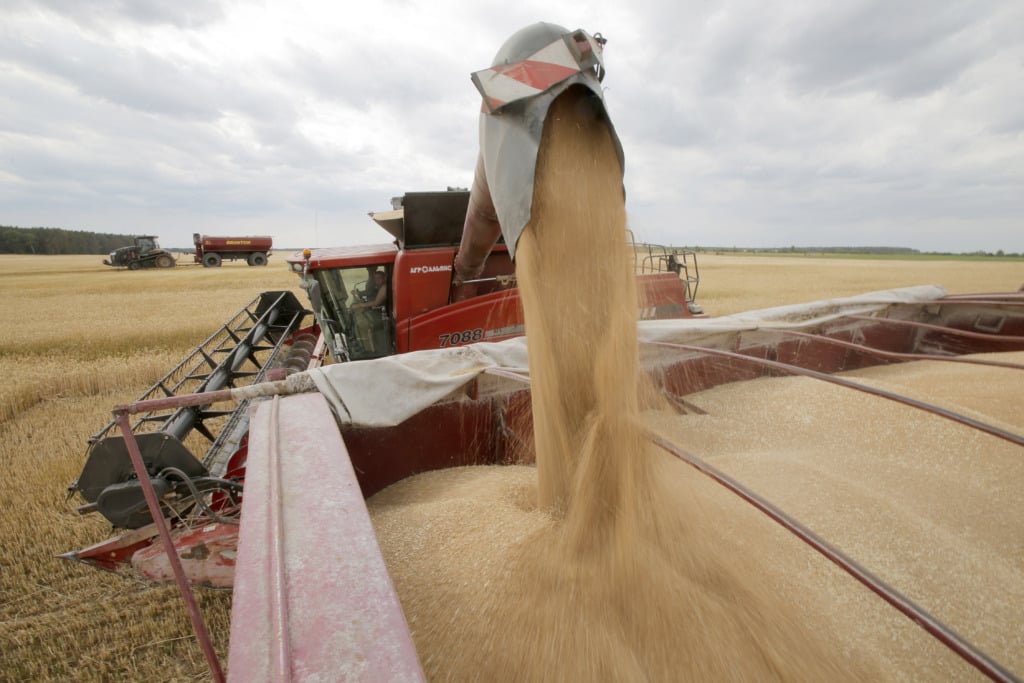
column 233, row 244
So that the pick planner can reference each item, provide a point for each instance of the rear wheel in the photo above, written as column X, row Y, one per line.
column 211, row 260
column 257, row 259
column 164, row 261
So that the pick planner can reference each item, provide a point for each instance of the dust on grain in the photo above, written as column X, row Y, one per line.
column 595, row 569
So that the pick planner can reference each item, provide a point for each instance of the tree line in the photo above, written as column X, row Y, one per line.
column 58, row 241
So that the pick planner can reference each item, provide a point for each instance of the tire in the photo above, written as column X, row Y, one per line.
column 257, row 259
column 134, row 265
column 164, row 261
column 211, row 260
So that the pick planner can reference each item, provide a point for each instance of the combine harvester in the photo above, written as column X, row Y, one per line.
column 273, row 507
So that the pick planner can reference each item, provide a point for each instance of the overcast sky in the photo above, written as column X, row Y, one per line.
column 744, row 122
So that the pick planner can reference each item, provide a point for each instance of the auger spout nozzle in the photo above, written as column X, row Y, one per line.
column 533, row 67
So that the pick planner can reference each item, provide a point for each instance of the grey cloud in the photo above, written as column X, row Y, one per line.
column 98, row 14
column 363, row 73
column 131, row 78
column 168, row 94
column 760, row 123
column 904, row 49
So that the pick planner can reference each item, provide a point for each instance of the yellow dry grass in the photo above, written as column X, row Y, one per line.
column 731, row 284
column 80, row 337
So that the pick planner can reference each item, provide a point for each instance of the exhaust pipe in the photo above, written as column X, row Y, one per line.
column 533, row 67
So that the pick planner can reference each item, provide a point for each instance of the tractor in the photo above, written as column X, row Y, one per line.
column 144, row 253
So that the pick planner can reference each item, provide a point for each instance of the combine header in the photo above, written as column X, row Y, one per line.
column 269, row 337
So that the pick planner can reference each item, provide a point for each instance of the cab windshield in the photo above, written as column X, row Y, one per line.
column 353, row 306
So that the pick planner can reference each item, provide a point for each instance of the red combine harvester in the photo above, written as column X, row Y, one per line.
column 274, row 508
column 419, row 306
column 197, row 452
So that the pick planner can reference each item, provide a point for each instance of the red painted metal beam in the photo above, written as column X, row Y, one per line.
column 312, row 599
column 944, row 329
column 896, row 355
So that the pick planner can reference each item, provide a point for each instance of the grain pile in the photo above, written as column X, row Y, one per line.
column 930, row 506
column 596, row 568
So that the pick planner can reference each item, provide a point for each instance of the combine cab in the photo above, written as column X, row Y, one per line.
column 422, row 307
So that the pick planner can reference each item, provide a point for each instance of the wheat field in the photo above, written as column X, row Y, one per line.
column 81, row 337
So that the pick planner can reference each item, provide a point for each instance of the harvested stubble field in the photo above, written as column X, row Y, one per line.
column 81, row 338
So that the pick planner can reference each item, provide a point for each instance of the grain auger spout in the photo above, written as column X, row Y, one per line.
column 532, row 68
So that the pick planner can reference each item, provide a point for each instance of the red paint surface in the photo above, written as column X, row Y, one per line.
column 313, row 599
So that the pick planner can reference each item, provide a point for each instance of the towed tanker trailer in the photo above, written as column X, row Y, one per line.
column 211, row 251
column 299, row 466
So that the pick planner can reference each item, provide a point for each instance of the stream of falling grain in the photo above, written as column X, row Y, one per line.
column 590, row 566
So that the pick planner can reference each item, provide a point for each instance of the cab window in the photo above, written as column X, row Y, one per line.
column 355, row 311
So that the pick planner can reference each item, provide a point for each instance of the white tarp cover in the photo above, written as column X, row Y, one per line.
column 387, row 391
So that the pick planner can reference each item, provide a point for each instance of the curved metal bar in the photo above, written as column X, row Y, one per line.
column 948, row 637
column 898, row 355
column 892, row 396
column 996, row 298
column 984, row 336
column 954, row 641
column 194, row 613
